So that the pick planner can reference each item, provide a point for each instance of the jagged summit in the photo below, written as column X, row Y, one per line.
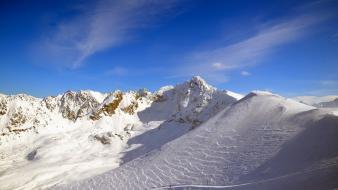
column 200, row 83
column 192, row 101
column 197, row 78
column 197, row 82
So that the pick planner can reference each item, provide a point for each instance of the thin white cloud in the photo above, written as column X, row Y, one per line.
column 329, row 82
column 250, row 51
column 245, row 73
column 118, row 71
column 105, row 24
column 123, row 71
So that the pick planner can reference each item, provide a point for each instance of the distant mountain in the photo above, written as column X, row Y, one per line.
column 313, row 100
column 329, row 103
column 263, row 141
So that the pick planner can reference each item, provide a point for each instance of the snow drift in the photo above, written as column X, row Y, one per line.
column 263, row 141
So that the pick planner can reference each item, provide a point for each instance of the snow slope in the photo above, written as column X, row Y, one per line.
column 77, row 135
column 263, row 141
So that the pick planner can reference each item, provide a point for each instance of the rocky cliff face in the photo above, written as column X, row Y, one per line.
column 73, row 105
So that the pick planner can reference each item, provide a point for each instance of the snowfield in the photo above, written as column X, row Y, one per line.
column 263, row 141
column 187, row 136
column 77, row 135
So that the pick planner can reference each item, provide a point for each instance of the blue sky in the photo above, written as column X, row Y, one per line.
column 288, row 47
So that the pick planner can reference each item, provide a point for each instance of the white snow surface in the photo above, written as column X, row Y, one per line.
column 263, row 141
column 187, row 136
column 77, row 135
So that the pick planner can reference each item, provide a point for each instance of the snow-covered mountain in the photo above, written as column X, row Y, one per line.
column 329, row 103
column 76, row 135
column 263, row 141
column 313, row 100
column 190, row 135
column 193, row 101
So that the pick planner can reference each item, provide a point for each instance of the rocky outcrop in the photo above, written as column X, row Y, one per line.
column 191, row 102
column 3, row 106
column 131, row 109
column 73, row 105
column 109, row 106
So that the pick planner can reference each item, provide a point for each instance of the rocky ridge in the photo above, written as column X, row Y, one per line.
column 193, row 102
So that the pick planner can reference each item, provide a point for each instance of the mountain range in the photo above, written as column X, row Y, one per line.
column 190, row 135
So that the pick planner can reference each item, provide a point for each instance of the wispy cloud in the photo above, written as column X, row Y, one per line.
column 245, row 73
column 248, row 52
column 103, row 25
column 122, row 71
column 329, row 83
column 118, row 71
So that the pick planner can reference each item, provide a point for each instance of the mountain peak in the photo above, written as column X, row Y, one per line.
column 197, row 78
column 197, row 81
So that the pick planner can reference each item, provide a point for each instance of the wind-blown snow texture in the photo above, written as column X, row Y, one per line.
column 263, row 141
column 76, row 135
column 188, row 136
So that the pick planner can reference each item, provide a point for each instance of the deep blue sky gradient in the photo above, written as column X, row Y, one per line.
column 151, row 55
